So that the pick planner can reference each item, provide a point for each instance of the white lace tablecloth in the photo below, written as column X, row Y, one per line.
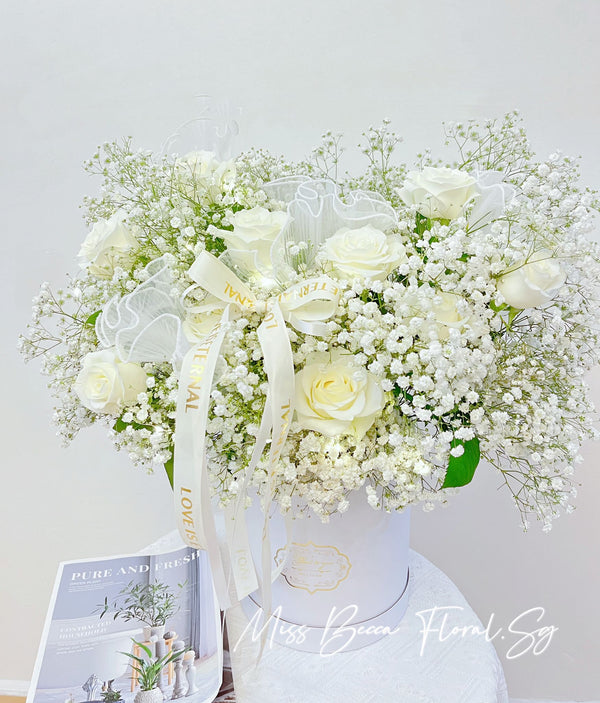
column 457, row 670
column 392, row 670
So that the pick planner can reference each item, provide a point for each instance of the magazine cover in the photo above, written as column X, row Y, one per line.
column 121, row 628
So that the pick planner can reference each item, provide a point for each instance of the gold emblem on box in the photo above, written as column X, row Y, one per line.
column 314, row 567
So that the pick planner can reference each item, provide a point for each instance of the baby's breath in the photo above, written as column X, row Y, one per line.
column 456, row 363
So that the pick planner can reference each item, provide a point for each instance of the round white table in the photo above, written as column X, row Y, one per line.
column 434, row 656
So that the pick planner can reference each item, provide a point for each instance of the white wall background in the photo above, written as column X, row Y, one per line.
column 77, row 72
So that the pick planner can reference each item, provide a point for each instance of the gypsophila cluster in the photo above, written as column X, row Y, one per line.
column 433, row 317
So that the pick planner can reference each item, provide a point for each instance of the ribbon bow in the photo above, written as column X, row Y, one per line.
column 306, row 306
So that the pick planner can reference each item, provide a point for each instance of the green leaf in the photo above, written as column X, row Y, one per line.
column 513, row 312
column 120, row 425
column 401, row 393
column 497, row 308
column 132, row 656
column 422, row 223
column 461, row 469
column 91, row 321
column 144, row 647
column 169, row 468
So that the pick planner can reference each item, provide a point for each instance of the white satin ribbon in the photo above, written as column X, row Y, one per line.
column 190, row 486
column 146, row 325
column 306, row 306
column 279, row 366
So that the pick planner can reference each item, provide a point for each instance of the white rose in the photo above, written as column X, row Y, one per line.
column 365, row 252
column 105, row 244
column 533, row 282
column 335, row 397
column 105, row 384
column 447, row 314
column 439, row 193
column 200, row 319
column 254, row 231
column 206, row 172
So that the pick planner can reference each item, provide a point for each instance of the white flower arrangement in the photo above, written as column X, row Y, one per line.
column 433, row 317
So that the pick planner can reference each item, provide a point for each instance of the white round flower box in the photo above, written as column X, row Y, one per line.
column 344, row 584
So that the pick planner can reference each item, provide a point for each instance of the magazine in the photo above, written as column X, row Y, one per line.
column 110, row 618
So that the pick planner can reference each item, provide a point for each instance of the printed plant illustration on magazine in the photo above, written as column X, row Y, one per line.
column 125, row 626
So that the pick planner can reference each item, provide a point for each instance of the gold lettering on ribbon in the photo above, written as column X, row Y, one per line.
column 270, row 321
column 192, row 398
column 186, row 507
column 240, row 299
column 197, row 368
column 302, row 290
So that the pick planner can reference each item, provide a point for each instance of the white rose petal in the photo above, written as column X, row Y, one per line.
column 335, row 397
column 365, row 252
column 532, row 283
column 105, row 384
column 206, row 172
column 105, row 245
column 200, row 319
column 254, row 231
column 446, row 314
column 439, row 193
column 446, row 311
